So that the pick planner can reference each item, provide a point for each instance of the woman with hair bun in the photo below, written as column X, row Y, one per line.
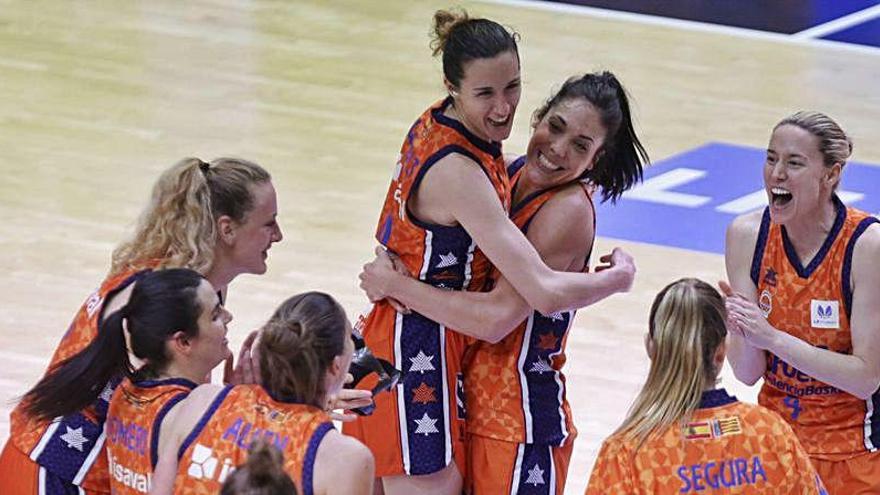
column 217, row 218
column 803, row 306
column 446, row 217
column 304, row 352
column 262, row 474
column 684, row 435
column 515, row 392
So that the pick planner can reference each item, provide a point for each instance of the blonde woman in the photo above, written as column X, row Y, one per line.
column 805, row 316
column 684, row 435
column 217, row 218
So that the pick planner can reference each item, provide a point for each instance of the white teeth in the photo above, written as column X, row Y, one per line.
column 547, row 163
column 779, row 190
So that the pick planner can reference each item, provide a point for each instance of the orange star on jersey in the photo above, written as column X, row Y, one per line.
column 548, row 341
column 424, row 394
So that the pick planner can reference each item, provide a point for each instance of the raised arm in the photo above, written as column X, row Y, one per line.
column 561, row 232
column 748, row 362
column 466, row 194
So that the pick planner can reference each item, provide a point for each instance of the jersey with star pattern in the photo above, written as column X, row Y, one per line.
column 72, row 447
column 427, row 408
column 515, row 388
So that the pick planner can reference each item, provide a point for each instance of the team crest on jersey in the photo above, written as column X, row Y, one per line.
column 765, row 303
column 824, row 314
column 770, row 277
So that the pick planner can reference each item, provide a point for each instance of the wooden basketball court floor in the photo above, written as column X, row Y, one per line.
column 96, row 98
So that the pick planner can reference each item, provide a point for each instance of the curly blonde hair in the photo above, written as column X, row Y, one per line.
column 178, row 226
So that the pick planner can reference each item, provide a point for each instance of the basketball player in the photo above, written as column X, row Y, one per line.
column 450, row 193
column 174, row 323
column 217, row 218
column 304, row 350
column 518, row 419
column 683, row 435
column 805, row 315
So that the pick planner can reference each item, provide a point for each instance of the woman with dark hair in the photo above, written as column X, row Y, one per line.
column 803, row 307
column 173, row 323
column 446, row 216
column 304, row 352
column 684, row 435
column 262, row 474
column 217, row 218
column 517, row 414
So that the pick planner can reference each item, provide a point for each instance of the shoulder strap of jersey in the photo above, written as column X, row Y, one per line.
column 203, row 421
column 847, row 261
column 763, row 234
column 308, row 469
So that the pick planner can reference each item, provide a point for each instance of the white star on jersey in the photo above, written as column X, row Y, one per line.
column 422, row 363
column 536, row 476
column 426, row 425
column 540, row 366
column 74, row 438
column 107, row 393
column 557, row 316
column 447, row 260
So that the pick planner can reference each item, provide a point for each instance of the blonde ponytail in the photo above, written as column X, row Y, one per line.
column 178, row 226
column 687, row 325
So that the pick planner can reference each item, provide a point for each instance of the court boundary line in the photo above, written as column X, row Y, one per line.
column 839, row 24
column 695, row 26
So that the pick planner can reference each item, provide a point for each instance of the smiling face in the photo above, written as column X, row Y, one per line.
column 210, row 347
column 488, row 95
column 565, row 144
column 795, row 176
column 257, row 232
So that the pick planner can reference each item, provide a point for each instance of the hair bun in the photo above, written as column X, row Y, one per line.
column 265, row 463
column 444, row 22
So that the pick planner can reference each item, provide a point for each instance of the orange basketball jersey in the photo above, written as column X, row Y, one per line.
column 515, row 389
column 72, row 447
column 239, row 416
column 726, row 447
column 413, row 429
column 132, row 430
column 812, row 302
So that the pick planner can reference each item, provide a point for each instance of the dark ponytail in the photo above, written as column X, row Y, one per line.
column 298, row 345
column 161, row 303
column 622, row 158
